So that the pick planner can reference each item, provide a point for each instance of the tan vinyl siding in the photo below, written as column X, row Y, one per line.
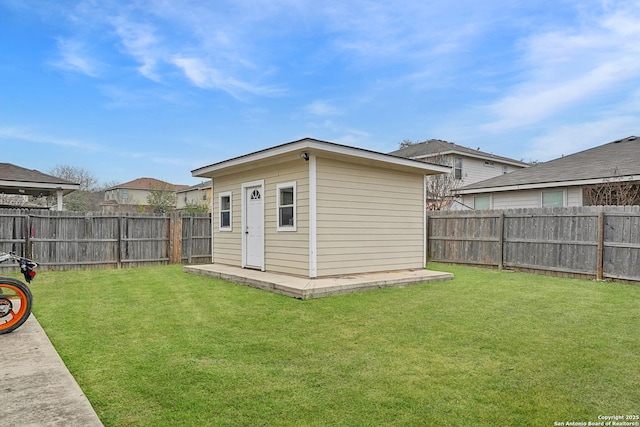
column 286, row 252
column 368, row 219
column 227, row 245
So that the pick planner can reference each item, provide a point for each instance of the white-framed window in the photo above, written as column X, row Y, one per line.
column 226, row 212
column 482, row 202
column 457, row 167
column 552, row 199
column 505, row 169
column 286, row 205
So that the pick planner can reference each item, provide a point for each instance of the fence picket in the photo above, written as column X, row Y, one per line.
column 595, row 241
column 71, row 240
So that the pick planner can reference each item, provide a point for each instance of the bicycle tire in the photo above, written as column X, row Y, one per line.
column 15, row 304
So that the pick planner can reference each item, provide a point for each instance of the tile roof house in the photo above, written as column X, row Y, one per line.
column 30, row 182
column 468, row 166
column 559, row 182
column 133, row 196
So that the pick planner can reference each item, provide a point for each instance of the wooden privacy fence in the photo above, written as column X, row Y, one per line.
column 70, row 240
column 600, row 241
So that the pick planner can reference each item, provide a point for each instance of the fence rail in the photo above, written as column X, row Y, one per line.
column 602, row 241
column 69, row 240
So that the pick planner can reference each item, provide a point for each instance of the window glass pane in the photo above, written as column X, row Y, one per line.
column 457, row 168
column 482, row 202
column 225, row 219
column 286, row 216
column 552, row 199
column 286, row 196
column 224, row 203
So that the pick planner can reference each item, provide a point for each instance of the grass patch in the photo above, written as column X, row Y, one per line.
column 156, row 346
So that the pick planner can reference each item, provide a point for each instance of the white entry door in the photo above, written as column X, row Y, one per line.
column 254, row 226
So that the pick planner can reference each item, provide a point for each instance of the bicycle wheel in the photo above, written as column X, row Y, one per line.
column 15, row 304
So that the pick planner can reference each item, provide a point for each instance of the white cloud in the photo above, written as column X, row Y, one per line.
column 140, row 42
column 121, row 97
column 572, row 138
column 322, row 108
column 73, row 57
column 204, row 76
column 570, row 67
column 25, row 135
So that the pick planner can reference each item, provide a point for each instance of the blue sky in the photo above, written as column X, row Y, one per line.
column 129, row 89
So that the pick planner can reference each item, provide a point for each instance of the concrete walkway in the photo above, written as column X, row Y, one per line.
column 36, row 389
column 304, row 288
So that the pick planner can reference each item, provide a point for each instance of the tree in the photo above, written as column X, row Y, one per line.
column 192, row 207
column 83, row 199
column 162, row 198
column 405, row 143
column 615, row 191
column 442, row 189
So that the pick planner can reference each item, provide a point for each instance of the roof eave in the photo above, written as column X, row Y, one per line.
column 37, row 188
column 551, row 184
column 47, row 185
column 318, row 147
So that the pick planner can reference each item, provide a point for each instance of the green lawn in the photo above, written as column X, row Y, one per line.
column 159, row 347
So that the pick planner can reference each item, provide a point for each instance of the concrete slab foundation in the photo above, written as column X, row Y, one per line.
column 304, row 288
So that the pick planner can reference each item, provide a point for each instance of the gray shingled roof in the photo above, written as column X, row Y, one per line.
column 617, row 158
column 434, row 147
column 17, row 180
column 9, row 172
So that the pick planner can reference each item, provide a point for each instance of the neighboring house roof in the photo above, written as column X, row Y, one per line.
column 297, row 149
column 148, row 184
column 436, row 147
column 17, row 180
column 200, row 186
column 615, row 159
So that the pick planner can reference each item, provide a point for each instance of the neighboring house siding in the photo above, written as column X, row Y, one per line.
column 138, row 197
column 194, row 197
column 287, row 252
column 475, row 170
column 128, row 196
column 368, row 219
column 574, row 196
column 526, row 198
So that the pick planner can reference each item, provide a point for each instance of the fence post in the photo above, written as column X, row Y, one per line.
column 501, row 241
column 28, row 250
column 190, row 244
column 426, row 239
column 119, row 243
column 175, row 238
column 600, row 256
